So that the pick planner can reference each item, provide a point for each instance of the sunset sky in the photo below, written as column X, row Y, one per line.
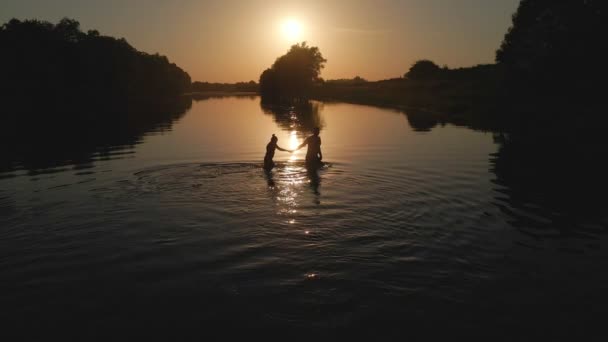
column 229, row 41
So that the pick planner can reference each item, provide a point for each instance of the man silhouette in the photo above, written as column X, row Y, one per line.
column 314, row 156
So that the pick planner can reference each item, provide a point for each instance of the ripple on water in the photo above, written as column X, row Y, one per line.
column 290, row 222
column 331, row 239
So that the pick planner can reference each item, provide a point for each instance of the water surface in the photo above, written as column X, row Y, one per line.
column 178, row 230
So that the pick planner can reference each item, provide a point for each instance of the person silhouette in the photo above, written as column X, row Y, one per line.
column 270, row 148
column 314, row 156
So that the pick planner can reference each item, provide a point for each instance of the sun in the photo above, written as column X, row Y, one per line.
column 291, row 29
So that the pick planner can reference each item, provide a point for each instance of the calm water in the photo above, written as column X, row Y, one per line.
column 409, row 230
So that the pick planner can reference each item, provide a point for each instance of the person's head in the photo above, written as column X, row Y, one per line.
column 274, row 138
column 316, row 131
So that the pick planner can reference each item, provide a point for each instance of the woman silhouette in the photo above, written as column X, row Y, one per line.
column 270, row 148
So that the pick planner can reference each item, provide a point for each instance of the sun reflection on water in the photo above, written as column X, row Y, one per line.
column 293, row 144
column 290, row 183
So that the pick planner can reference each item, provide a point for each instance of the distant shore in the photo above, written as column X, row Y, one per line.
column 467, row 102
column 416, row 99
column 222, row 93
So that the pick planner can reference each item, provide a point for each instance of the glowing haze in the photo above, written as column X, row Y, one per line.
column 229, row 41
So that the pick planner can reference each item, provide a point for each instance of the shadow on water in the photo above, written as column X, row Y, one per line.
column 560, row 180
column 300, row 117
column 549, row 173
column 80, row 137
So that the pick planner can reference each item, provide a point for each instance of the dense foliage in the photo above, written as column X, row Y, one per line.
column 427, row 70
column 292, row 75
column 68, row 95
column 423, row 69
column 557, row 47
column 62, row 64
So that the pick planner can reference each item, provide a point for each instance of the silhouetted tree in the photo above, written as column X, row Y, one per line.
column 554, row 62
column 423, row 70
column 292, row 75
column 269, row 87
column 65, row 93
column 65, row 66
column 556, row 47
column 359, row 79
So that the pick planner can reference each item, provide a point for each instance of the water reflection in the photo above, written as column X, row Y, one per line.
column 400, row 221
column 421, row 121
column 549, row 186
column 286, row 180
column 300, row 118
column 82, row 138
column 269, row 178
column 314, row 180
column 220, row 95
column 288, row 188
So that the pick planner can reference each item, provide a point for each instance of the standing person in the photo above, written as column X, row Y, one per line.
column 270, row 148
column 314, row 156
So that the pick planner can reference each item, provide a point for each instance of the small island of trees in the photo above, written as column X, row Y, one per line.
column 293, row 75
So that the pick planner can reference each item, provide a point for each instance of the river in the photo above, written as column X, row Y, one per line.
column 407, row 230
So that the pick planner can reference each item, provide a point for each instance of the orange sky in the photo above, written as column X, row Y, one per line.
column 229, row 41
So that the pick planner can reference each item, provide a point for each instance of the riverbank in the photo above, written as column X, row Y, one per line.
column 470, row 102
column 202, row 95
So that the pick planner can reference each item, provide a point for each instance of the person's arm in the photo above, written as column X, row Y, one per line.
column 320, row 154
column 282, row 149
column 302, row 145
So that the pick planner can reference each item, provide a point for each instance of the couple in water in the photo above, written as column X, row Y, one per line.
column 313, row 154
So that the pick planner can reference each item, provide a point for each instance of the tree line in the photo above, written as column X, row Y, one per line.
column 68, row 95
column 250, row 86
column 554, row 51
column 63, row 64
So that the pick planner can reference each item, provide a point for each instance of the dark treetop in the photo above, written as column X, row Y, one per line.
column 64, row 64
